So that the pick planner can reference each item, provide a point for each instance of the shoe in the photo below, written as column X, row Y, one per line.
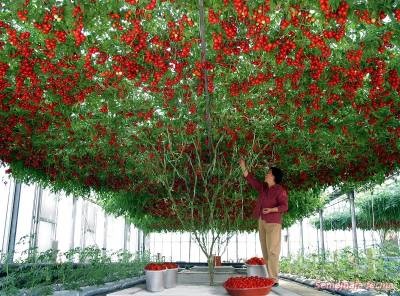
column 275, row 285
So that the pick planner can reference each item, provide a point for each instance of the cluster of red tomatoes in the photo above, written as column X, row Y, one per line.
column 340, row 15
column 160, row 266
column 255, row 261
column 397, row 14
column 155, row 266
column 78, row 31
column 248, row 282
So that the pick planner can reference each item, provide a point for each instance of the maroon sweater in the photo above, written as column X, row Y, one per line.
column 275, row 196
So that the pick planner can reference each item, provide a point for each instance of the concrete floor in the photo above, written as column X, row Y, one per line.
column 179, row 291
column 286, row 288
column 302, row 289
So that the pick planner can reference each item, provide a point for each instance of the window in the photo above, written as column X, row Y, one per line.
column 6, row 191
column 47, row 224
column 88, row 224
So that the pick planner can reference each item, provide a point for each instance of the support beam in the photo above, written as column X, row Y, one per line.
column 7, row 220
column 321, row 229
column 180, row 246
column 73, row 219
column 288, row 242
column 84, row 214
column 144, row 242
column 190, row 246
column 37, row 204
column 171, row 244
column 398, row 239
column 139, row 236
column 14, row 222
column 353, row 223
column 237, row 248
column 365, row 243
column 255, row 245
column 127, row 229
column 105, row 230
column 301, row 239
column 246, row 246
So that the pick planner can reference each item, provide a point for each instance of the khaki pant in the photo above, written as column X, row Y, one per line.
column 270, row 239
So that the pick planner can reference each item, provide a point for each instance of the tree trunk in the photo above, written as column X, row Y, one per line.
column 207, row 247
column 211, row 269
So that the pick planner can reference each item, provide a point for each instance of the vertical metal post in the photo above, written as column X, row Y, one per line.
column 37, row 204
column 246, row 246
column 84, row 224
column 144, row 242
column 255, row 240
column 14, row 221
column 237, row 248
column 139, row 234
column 398, row 239
column 54, row 243
column 73, row 218
column 321, row 229
column 365, row 243
column 227, row 254
column 318, row 251
column 353, row 223
column 8, row 210
column 301, row 238
column 171, row 246
column 105, row 229
column 190, row 245
column 180, row 246
column 373, row 220
column 288, row 241
column 126, row 234
column 162, row 247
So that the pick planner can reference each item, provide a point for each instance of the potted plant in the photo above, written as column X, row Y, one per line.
column 155, row 277
column 256, row 267
column 170, row 275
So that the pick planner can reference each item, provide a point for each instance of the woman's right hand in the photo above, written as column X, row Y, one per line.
column 242, row 164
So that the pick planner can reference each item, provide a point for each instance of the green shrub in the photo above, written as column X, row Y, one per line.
column 40, row 272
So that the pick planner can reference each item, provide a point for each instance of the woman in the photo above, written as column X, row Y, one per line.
column 272, row 202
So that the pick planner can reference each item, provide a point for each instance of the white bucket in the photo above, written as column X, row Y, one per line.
column 170, row 278
column 257, row 270
column 154, row 280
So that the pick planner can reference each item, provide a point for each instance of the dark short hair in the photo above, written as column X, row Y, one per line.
column 278, row 174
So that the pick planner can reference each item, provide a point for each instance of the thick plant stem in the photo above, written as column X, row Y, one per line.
column 211, row 269
column 203, row 60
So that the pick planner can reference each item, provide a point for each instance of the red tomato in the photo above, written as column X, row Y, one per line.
column 255, row 261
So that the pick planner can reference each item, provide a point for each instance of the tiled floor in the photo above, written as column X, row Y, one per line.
column 302, row 289
column 286, row 288
column 178, row 291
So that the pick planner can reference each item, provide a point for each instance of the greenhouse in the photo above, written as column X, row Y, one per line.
column 200, row 147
